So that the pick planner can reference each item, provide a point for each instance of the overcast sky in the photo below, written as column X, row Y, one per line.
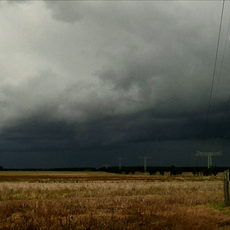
column 83, row 83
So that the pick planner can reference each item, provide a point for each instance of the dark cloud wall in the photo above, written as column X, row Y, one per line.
column 85, row 82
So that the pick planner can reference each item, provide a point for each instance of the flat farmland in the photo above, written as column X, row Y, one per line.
column 97, row 200
column 54, row 176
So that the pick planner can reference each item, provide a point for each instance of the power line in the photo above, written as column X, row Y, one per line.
column 213, row 77
column 222, row 61
column 227, row 103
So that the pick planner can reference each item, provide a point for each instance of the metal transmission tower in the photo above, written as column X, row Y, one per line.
column 106, row 166
column 145, row 168
column 209, row 155
column 120, row 162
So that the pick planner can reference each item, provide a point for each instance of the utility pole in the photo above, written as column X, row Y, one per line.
column 209, row 155
column 106, row 166
column 120, row 162
column 226, row 188
column 145, row 168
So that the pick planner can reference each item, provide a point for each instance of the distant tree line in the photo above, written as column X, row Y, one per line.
column 173, row 170
column 152, row 170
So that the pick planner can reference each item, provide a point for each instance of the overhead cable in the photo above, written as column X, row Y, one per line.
column 213, row 77
column 228, row 100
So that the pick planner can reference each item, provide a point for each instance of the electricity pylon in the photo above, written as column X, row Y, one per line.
column 144, row 162
column 120, row 162
column 209, row 155
column 106, row 166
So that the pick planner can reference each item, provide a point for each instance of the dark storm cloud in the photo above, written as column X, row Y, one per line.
column 37, row 134
column 57, row 142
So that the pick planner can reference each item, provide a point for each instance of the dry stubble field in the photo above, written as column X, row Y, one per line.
column 65, row 200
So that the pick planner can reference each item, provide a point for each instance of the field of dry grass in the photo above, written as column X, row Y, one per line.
column 133, row 202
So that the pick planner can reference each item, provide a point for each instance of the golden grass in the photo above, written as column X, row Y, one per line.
column 114, row 205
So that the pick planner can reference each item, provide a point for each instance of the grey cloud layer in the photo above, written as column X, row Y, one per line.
column 152, row 53
column 115, row 71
